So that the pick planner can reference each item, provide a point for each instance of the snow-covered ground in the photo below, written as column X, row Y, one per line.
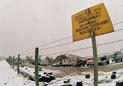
column 9, row 77
column 31, row 70
column 104, row 79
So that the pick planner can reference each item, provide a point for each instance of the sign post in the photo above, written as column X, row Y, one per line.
column 93, row 21
column 93, row 37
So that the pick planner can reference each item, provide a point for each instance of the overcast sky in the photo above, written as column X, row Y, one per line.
column 25, row 24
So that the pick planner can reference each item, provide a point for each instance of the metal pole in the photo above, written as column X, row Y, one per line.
column 36, row 67
column 93, row 37
column 18, row 63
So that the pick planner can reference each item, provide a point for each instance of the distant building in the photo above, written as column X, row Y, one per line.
column 68, row 62
column 44, row 62
column 69, row 59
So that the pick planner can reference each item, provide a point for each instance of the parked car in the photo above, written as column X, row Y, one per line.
column 47, row 77
column 90, row 62
column 103, row 60
column 57, row 64
column 118, row 58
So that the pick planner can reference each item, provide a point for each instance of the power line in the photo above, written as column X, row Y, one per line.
column 108, row 43
column 56, row 46
column 118, row 23
column 109, row 53
column 66, row 43
column 54, row 41
column 80, row 48
column 64, row 39
column 103, row 53
column 69, row 37
column 27, row 53
column 49, row 43
column 91, row 47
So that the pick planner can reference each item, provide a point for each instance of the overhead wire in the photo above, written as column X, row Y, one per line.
column 68, row 38
column 61, row 40
column 49, row 43
column 118, row 23
column 107, row 43
column 109, row 53
column 65, row 43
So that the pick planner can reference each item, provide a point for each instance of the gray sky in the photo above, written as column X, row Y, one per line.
column 25, row 24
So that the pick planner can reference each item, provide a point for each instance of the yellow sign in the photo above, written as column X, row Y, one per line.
column 95, row 19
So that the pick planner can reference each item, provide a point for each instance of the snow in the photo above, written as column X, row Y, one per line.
column 107, row 77
column 73, row 79
column 9, row 77
column 31, row 70
column 104, row 79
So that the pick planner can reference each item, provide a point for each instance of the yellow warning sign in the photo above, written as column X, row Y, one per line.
column 95, row 19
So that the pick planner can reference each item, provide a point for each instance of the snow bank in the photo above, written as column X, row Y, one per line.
column 9, row 77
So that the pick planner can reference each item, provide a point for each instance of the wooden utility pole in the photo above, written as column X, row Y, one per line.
column 93, row 37
column 36, row 67
column 18, row 61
